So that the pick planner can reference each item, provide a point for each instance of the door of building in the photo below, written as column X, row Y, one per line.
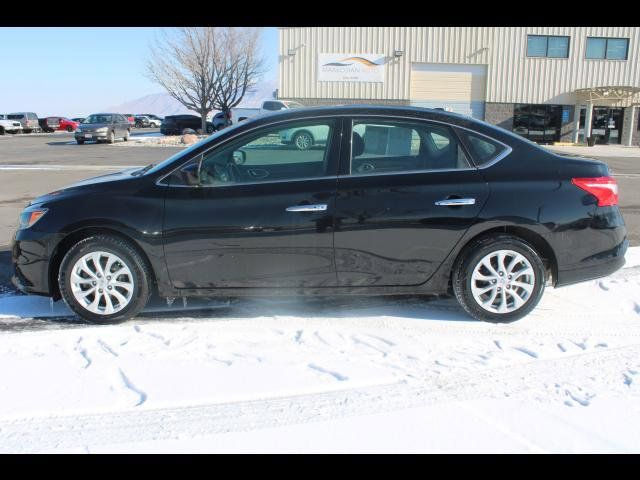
column 606, row 124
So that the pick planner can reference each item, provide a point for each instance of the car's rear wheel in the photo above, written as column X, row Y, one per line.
column 111, row 137
column 499, row 278
column 69, row 128
column 104, row 279
column 1, row 131
column 126, row 136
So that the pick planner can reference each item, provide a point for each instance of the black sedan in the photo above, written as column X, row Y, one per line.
column 397, row 200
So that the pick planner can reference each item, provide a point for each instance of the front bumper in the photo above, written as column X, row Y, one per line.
column 91, row 135
column 31, row 253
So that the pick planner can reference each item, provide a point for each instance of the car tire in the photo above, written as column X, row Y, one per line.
column 79, row 274
column 504, row 293
column 69, row 129
column 210, row 129
column 126, row 135
column 1, row 131
column 111, row 137
column 80, row 141
column 303, row 140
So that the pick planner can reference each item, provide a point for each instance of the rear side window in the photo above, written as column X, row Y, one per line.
column 482, row 149
column 400, row 146
column 15, row 117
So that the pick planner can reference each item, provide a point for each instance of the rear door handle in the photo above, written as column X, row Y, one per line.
column 320, row 207
column 456, row 202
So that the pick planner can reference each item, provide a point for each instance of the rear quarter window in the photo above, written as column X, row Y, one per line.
column 483, row 149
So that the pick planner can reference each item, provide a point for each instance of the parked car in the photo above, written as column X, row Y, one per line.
column 78, row 119
column 221, row 121
column 151, row 116
column 142, row 121
column 417, row 201
column 49, row 124
column 176, row 124
column 131, row 119
column 68, row 125
column 267, row 106
column 305, row 138
column 101, row 127
column 9, row 126
column 29, row 121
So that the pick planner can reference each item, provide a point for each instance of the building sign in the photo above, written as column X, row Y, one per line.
column 350, row 67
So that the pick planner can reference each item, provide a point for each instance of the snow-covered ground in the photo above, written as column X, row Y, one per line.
column 339, row 375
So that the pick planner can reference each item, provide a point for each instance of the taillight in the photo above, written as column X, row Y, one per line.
column 605, row 189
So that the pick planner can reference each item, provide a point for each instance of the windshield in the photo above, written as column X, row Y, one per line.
column 15, row 117
column 98, row 119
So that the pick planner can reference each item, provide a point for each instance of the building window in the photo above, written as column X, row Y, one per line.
column 607, row 48
column 547, row 46
column 538, row 123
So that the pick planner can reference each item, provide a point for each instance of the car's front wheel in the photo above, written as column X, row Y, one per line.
column 499, row 278
column 80, row 141
column 104, row 279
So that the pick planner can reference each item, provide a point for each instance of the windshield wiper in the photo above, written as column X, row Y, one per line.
column 144, row 170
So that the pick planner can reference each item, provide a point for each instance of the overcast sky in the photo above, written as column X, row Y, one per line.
column 75, row 71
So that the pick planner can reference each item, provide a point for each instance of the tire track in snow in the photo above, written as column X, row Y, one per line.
column 49, row 432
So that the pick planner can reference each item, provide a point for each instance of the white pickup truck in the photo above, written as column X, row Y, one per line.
column 11, row 126
column 272, row 105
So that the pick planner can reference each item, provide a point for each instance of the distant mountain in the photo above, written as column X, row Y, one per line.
column 163, row 104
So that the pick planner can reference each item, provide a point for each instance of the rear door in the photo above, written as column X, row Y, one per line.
column 407, row 192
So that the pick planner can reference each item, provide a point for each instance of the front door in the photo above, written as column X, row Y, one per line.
column 406, row 195
column 256, row 211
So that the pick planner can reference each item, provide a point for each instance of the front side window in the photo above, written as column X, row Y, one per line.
column 550, row 46
column 293, row 151
column 599, row 48
column 398, row 146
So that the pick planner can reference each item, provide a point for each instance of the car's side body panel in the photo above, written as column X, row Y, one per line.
column 386, row 216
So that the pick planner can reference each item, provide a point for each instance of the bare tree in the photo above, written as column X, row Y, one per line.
column 207, row 68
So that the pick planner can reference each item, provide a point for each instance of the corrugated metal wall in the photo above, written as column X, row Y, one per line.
column 512, row 76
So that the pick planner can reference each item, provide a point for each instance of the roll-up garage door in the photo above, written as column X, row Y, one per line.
column 454, row 87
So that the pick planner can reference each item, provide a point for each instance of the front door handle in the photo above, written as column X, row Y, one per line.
column 456, row 202
column 320, row 207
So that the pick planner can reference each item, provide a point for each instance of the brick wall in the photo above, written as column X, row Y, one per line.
column 500, row 114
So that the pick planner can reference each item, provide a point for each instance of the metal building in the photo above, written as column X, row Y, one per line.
column 545, row 83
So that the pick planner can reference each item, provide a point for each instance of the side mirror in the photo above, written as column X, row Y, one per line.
column 239, row 157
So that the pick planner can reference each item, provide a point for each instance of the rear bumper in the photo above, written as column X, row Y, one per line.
column 596, row 266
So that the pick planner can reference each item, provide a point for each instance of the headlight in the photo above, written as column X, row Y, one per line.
column 30, row 216
column 103, row 129
column 78, row 130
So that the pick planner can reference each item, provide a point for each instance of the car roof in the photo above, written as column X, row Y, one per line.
column 405, row 111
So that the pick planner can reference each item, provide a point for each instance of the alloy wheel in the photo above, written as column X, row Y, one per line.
column 102, row 283
column 502, row 281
